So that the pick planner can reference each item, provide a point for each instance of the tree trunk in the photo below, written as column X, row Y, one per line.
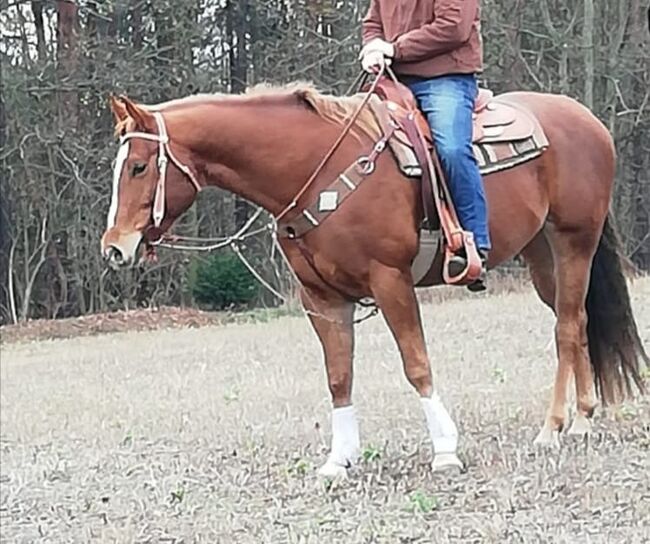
column 5, row 213
column 37, row 11
column 588, row 44
column 639, row 92
column 136, row 21
column 236, row 30
column 67, row 31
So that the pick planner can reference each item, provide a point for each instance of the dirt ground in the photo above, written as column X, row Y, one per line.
column 147, row 319
column 214, row 434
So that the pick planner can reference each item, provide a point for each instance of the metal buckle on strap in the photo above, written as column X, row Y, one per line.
column 367, row 166
column 380, row 145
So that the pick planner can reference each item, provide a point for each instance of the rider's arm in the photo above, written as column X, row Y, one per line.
column 371, row 26
column 450, row 29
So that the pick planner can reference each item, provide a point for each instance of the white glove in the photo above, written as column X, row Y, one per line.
column 385, row 48
column 374, row 60
column 375, row 54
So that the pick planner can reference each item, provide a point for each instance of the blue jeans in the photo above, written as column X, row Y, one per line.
column 448, row 103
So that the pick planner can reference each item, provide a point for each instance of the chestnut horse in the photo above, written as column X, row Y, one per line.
column 264, row 145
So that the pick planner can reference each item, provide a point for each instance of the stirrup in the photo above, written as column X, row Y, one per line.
column 474, row 267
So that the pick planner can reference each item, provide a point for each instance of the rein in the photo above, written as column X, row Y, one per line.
column 188, row 243
column 346, row 130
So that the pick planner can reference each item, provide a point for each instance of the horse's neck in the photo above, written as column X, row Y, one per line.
column 261, row 154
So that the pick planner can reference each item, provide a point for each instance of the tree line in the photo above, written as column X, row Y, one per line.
column 61, row 59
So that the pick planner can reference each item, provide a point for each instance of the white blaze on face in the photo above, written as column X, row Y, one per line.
column 122, row 154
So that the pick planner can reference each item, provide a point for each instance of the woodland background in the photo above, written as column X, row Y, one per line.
column 61, row 59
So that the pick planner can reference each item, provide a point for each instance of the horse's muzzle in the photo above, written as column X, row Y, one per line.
column 121, row 251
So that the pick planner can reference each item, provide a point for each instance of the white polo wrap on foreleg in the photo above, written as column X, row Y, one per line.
column 442, row 428
column 345, row 436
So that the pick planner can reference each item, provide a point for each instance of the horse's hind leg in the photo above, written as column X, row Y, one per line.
column 394, row 293
column 333, row 322
column 559, row 262
column 539, row 258
column 573, row 251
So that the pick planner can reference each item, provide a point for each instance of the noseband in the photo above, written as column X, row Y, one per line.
column 164, row 151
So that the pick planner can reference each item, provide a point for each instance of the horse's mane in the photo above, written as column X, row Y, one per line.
column 339, row 109
column 334, row 109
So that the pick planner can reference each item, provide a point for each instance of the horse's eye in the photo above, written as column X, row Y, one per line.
column 138, row 169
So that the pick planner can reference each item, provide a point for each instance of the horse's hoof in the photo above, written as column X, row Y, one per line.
column 446, row 461
column 333, row 471
column 581, row 426
column 548, row 438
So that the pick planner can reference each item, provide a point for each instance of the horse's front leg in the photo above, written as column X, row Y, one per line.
column 394, row 293
column 333, row 321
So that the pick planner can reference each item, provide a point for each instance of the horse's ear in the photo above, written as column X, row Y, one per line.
column 144, row 120
column 118, row 109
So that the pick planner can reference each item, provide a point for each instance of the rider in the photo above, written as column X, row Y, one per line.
column 435, row 48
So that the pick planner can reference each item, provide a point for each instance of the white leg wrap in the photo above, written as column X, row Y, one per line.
column 345, row 443
column 442, row 428
column 345, row 436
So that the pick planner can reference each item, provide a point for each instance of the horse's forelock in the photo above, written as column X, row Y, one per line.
column 120, row 127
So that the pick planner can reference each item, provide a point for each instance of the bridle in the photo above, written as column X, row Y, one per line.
column 164, row 151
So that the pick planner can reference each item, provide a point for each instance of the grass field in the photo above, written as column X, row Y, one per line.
column 215, row 435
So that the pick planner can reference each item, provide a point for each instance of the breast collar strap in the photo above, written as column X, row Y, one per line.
column 164, row 152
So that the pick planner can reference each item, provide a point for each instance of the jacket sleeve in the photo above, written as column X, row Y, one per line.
column 371, row 26
column 451, row 28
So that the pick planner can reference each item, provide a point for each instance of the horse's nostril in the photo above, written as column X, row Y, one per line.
column 114, row 255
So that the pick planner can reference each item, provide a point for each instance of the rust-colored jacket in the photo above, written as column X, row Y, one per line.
column 431, row 37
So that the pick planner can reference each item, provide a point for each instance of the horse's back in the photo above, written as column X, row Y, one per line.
column 580, row 161
column 557, row 112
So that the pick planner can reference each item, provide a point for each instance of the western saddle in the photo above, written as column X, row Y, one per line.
column 504, row 134
column 494, row 121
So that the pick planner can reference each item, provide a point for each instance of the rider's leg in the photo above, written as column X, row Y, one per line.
column 448, row 103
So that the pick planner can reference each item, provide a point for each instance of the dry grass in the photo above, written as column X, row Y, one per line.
column 214, row 434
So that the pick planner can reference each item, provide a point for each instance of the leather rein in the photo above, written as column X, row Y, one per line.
column 344, row 132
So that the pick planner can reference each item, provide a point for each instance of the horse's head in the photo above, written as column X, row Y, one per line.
column 154, row 181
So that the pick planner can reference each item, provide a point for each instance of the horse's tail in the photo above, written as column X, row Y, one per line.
column 615, row 348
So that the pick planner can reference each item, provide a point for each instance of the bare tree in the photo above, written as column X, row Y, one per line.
column 61, row 59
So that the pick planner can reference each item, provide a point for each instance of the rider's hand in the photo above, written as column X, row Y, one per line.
column 375, row 54
column 385, row 48
column 373, row 61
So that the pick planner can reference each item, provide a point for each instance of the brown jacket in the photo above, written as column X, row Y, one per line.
column 431, row 37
